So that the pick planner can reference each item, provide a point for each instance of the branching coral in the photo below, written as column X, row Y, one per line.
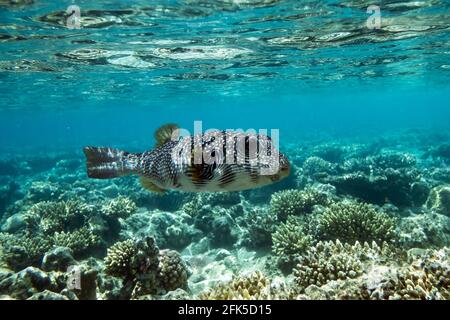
column 259, row 226
column 330, row 260
column 427, row 278
column 254, row 286
column 290, row 241
column 144, row 269
column 120, row 207
column 48, row 225
column 80, row 240
column 50, row 217
column 353, row 221
column 295, row 202
column 20, row 251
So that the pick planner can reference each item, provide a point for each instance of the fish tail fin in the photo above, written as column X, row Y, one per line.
column 107, row 163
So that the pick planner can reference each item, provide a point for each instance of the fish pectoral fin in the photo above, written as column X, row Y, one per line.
column 166, row 133
column 149, row 185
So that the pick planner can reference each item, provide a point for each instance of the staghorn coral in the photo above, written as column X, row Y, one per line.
column 289, row 241
column 354, row 221
column 328, row 261
column 295, row 202
column 120, row 207
column 254, row 286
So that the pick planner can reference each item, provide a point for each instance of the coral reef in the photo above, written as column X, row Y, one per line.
column 259, row 225
column 327, row 261
column 353, row 221
column 254, row 286
column 120, row 207
column 295, row 202
column 356, row 220
column 145, row 269
column 289, row 241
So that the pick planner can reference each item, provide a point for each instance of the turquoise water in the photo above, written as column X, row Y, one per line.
column 312, row 69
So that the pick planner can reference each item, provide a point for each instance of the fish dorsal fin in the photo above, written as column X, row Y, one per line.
column 149, row 185
column 164, row 133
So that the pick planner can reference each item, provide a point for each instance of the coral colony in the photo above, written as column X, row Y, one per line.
column 353, row 221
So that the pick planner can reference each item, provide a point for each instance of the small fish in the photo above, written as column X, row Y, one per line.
column 216, row 161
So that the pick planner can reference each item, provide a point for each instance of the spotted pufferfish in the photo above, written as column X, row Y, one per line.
column 174, row 163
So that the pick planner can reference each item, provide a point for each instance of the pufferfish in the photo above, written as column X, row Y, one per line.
column 215, row 161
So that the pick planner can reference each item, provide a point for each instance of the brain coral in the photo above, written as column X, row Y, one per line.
column 353, row 221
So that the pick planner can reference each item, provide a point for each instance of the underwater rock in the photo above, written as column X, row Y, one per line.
column 48, row 295
column 439, row 200
column 14, row 224
column 87, row 289
column 25, row 283
column 259, row 224
column 58, row 259
column 25, row 65
column 170, row 230
column 379, row 187
column 423, row 230
column 44, row 191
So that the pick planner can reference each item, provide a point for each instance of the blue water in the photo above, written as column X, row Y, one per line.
column 373, row 80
